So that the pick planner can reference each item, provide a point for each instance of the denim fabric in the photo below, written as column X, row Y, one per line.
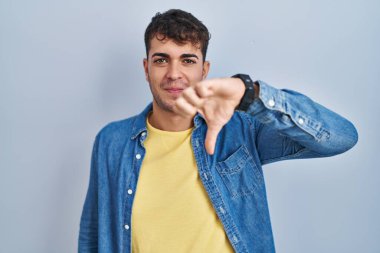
column 279, row 125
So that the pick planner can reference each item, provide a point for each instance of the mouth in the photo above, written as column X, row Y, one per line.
column 174, row 90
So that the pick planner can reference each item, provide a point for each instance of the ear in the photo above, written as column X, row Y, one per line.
column 145, row 63
column 206, row 68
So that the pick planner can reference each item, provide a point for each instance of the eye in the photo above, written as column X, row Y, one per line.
column 160, row 60
column 189, row 61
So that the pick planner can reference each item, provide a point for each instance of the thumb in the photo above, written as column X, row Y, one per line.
column 211, row 136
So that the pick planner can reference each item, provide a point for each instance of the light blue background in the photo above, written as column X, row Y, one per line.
column 69, row 67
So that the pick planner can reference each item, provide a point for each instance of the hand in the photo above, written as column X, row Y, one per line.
column 216, row 100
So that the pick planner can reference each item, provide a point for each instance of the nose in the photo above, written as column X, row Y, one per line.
column 174, row 71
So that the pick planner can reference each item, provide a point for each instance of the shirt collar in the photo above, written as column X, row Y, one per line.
column 139, row 125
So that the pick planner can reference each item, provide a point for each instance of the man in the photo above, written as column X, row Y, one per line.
column 186, row 175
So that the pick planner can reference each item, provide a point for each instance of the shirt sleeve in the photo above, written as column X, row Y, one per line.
column 88, row 232
column 290, row 125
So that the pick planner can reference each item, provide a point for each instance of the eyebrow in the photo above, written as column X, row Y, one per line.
column 182, row 56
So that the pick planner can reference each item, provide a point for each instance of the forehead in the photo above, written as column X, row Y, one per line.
column 172, row 48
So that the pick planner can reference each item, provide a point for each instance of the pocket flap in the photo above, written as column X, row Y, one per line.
column 235, row 162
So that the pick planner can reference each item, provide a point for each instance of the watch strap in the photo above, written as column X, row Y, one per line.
column 249, row 94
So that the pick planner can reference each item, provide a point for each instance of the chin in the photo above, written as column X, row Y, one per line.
column 165, row 105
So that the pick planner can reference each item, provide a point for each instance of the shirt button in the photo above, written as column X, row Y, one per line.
column 126, row 227
column 300, row 120
column 130, row 191
column 143, row 134
column 271, row 103
column 138, row 156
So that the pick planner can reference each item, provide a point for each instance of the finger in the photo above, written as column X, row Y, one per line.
column 184, row 108
column 191, row 97
column 211, row 136
column 204, row 88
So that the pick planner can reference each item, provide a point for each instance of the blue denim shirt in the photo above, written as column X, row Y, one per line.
column 279, row 125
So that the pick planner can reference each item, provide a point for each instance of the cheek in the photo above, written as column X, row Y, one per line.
column 196, row 74
column 156, row 74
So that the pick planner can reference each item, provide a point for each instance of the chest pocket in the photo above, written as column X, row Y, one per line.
column 240, row 173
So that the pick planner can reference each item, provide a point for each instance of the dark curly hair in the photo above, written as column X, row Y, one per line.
column 179, row 26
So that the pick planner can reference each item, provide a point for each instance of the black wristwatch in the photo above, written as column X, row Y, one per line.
column 249, row 94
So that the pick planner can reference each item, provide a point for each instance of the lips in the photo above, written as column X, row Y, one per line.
column 174, row 90
column 174, row 87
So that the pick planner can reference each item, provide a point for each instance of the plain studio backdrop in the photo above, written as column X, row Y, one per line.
column 67, row 68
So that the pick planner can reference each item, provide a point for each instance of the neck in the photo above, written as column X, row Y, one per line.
column 169, row 121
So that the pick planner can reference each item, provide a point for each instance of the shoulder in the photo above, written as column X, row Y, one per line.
column 120, row 131
column 240, row 124
column 242, row 119
column 116, row 131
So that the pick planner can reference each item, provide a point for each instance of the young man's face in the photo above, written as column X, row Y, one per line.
column 170, row 68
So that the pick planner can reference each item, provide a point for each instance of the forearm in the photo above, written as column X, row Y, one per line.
column 293, row 123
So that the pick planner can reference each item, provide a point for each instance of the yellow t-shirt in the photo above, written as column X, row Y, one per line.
column 171, row 210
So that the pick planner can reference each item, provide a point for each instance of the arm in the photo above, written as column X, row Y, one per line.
column 290, row 125
column 88, row 233
column 286, row 124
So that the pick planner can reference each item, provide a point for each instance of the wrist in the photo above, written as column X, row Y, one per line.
column 249, row 92
column 240, row 91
